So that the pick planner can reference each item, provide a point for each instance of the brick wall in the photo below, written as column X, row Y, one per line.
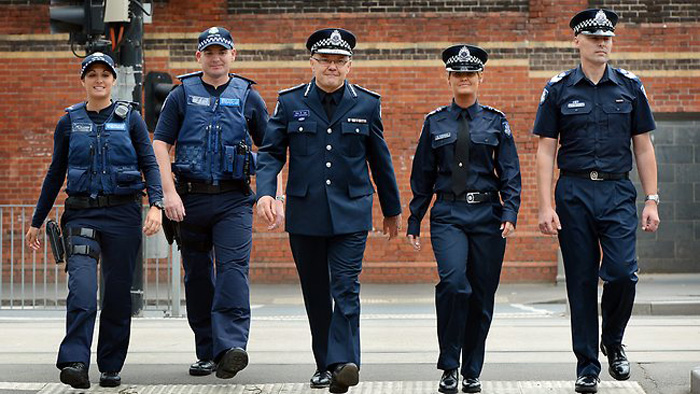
column 397, row 55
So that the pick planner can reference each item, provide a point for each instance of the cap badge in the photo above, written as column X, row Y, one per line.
column 214, row 30
column 464, row 54
column 335, row 37
column 601, row 18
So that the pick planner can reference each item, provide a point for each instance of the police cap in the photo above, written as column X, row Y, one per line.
column 594, row 22
column 331, row 41
column 464, row 58
column 97, row 57
column 215, row 36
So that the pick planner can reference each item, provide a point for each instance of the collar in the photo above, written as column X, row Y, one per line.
column 472, row 111
column 608, row 75
column 105, row 110
column 335, row 96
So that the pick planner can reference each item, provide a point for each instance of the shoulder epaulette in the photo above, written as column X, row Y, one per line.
column 628, row 74
column 188, row 75
column 436, row 110
column 243, row 78
column 498, row 111
column 560, row 76
column 293, row 88
column 75, row 106
column 375, row 94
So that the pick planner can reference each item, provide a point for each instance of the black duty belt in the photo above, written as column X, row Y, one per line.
column 468, row 197
column 199, row 187
column 596, row 175
column 80, row 202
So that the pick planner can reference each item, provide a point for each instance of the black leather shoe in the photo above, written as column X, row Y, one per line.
column 448, row 381
column 618, row 365
column 202, row 368
column 110, row 379
column 471, row 385
column 75, row 375
column 587, row 384
column 320, row 380
column 344, row 376
column 232, row 362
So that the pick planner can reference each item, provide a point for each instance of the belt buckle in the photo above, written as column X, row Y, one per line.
column 189, row 187
column 595, row 176
column 471, row 197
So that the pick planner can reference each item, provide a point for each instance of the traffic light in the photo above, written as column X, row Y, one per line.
column 82, row 19
column 158, row 85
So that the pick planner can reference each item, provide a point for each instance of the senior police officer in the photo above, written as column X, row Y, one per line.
column 593, row 112
column 332, row 129
column 211, row 119
column 467, row 156
column 104, row 148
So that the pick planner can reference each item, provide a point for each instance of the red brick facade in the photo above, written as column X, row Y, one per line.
column 397, row 56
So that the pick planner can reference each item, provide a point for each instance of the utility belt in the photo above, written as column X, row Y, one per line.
column 61, row 245
column 203, row 187
column 84, row 202
column 596, row 175
column 469, row 197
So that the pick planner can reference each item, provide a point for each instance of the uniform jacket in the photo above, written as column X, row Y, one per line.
column 328, row 190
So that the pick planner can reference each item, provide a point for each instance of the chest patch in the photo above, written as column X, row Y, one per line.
column 357, row 120
column 576, row 104
column 198, row 100
column 115, row 126
column 301, row 114
column 81, row 127
column 442, row 136
column 229, row 102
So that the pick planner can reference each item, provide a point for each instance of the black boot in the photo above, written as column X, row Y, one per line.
column 110, row 379
column 75, row 375
column 448, row 381
column 618, row 365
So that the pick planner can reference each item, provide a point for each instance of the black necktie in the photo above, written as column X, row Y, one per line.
column 460, row 166
column 328, row 105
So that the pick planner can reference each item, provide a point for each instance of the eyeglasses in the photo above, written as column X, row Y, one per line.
column 327, row 62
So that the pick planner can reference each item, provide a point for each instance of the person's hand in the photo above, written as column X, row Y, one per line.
column 507, row 229
column 32, row 238
column 549, row 222
column 266, row 210
column 414, row 240
column 392, row 225
column 174, row 209
column 278, row 211
column 650, row 217
column 154, row 218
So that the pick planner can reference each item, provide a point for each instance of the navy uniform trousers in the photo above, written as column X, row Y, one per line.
column 217, row 227
column 118, row 242
column 597, row 215
column 329, row 270
column 469, row 250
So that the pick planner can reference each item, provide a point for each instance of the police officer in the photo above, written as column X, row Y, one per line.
column 332, row 129
column 466, row 155
column 593, row 112
column 212, row 119
column 104, row 147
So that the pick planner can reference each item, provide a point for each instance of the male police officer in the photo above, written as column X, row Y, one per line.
column 211, row 118
column 332, row 129
column 593, row 111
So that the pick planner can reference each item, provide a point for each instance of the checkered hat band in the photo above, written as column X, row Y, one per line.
column 95, row 60
column 471, row 60
column 327, row 43
column 215, row 40
column 592, row 24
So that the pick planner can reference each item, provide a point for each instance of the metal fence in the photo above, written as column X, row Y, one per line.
column 30, row 280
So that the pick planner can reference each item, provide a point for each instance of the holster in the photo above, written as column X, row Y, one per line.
column 172, row 231
column 58, row 247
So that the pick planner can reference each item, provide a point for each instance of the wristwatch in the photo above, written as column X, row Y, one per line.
column 652, row 197
column 158, row 204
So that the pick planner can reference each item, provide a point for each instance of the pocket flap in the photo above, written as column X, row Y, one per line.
column 301, row 127
column 354, row 128
column 360, row 190
column 443, row 138
column 618, row 108
column 297, row 189
column 485, row 138
column 576, row 109
column 128, row 176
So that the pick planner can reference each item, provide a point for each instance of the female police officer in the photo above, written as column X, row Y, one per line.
column 466, row 155
column 104, row 147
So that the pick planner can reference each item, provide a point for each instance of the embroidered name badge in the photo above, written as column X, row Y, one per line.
column 197, row 100
column 357, row 120
column 576, row 104
column 229, row 102
column 442, row 136
column 81, row 127
column 115, row 126
column 301, row 113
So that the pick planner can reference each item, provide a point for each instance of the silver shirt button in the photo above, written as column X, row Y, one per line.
column 329, row 147
column 328, row 164
column 329, row 130
column 328, row 182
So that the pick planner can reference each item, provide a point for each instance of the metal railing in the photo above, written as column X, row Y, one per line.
column 31, row 280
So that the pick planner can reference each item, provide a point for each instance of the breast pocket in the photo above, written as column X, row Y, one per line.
column 443, row 144
column 354, row 137
column 619, row 116
column 483, row 148
column 575, row 120
column 302, row 138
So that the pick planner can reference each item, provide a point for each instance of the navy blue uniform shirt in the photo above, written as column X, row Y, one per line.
column 56, row 174
column 493, row 160
column 594, row 123
column 173, row 114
